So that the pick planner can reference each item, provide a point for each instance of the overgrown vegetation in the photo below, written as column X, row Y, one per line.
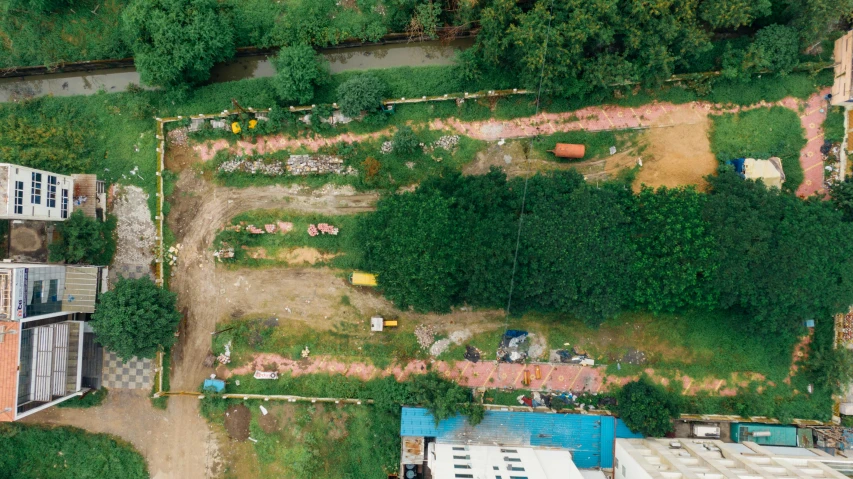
column 84, row 240
column 28, row 450
column 647, row 408
column 761, row 134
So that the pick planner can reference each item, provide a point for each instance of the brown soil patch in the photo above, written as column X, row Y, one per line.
column 179, row 157
column 26, row 240
column 268, row 423
column 677, row 156
column 298, row 256
column 237, row 422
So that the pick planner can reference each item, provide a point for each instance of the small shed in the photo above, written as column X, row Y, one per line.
column 770, row 171
column 765, row 434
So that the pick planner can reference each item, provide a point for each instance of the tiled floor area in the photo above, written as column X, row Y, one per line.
column 134, row 374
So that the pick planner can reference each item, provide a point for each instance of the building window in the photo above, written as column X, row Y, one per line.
column 513, row 451
column 512, row 459
column 53, row 290
column 35, row 189
column 19, row 197
column 64, row 203
column 517, row 477
column 469, row 476
column 461, row 457
column 461, row 466
column 37, row 290
column 514, row 468
column 51, row 191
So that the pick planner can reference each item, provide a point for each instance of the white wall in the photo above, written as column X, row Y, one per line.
column 626, row 467
column 38, row 210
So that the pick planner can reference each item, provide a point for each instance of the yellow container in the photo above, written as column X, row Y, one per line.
column 362, row 279
column 253, row 124
column 235, row 127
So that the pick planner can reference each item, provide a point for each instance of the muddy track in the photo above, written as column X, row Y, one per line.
column 199, row 212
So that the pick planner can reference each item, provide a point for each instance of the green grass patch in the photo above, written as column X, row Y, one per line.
column 504, row 398
column 92, row 399
column 349, row 340
column 833, row 126
column 760, row 134
column 28, row 450
column 267, row 249
column 781, row 401
column 162, row 402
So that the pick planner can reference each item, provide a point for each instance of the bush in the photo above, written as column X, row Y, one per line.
column 647, row 408
column 177, row 41
column 52, row 452
column 405, row 140
column 777, row 48
column 135, row 318
column 298, row 71
column 84, row 240
column 362, row 93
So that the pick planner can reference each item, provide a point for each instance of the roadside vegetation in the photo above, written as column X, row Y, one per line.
column 52, row 452
column 84, row 240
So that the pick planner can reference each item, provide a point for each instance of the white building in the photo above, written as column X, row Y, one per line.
column 29, row 194
column 448, row 461
column 713, row 459
column 47, row 355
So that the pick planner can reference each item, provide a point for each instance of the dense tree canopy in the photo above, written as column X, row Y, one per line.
column 360, row 93
column 594, row 251
column 135, row 318
column 177, row 41
column 647, row 408
column 84, row 240
column 299, row 69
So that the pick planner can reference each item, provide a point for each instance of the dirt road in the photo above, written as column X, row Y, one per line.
column 177, row 443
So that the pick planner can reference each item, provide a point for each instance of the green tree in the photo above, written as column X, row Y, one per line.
column 84, row 240
column 177, row 41
column 360, row 93
column 299, row 70
column 842, row 196
column 443, row 398
column 35, row 6
column 777, row 48
column 733, row 13
column 647, row 408
column 814, row 19
column 405, row 141
column 674, row 250
column 135, row 318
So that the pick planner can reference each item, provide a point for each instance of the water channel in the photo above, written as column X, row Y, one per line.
column 258, row 66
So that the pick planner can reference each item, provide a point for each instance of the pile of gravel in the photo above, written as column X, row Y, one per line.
column 425, row 335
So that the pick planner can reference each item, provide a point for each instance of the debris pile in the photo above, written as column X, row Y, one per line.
column 472, row 354
column 172, row 254
column 387, row 147
column 178, row 137
column 225, row 251
column 439, row 347
column 243, row 165
column 225, row 357
column 446, row 142
column 425, row 335
column 514, row 346
column 845, row 329
column 315, row 165
column 324, row 228
column 284, row 226
column 571, row 356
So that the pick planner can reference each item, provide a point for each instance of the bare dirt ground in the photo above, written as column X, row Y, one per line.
column 177, row 442
column 677, row 155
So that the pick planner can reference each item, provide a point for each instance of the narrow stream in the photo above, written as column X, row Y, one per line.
column 340, row 59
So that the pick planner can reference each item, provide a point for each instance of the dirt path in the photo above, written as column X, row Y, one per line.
column 177, row 443
column 207, row 293
column 656, row 115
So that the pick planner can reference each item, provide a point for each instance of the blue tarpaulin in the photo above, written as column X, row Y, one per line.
column 215, row 385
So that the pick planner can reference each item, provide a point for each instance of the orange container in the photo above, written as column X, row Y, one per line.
column 526, row 380
column 569, row 150
column 538, row 373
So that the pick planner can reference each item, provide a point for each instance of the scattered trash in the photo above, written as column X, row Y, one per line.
column 267, row 374
column 472, row 354
column 253, row 439
column 513, row 347
column 305, row 352
column 225, row 357
column 612, row 150
column 264, row 410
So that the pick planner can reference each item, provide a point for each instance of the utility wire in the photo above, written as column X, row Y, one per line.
column 527, row 177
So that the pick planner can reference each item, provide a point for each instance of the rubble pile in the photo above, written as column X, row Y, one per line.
column 243, row 165
column 425, row 335
column 315, row 165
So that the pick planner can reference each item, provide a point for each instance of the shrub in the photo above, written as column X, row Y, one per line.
column 361, row 93
column 177, row 41
column 92, row 399
column 135, row 318
column 647, row 408
column 776, row 48
column 405, row 141
column 84, row 240
column 298, row 71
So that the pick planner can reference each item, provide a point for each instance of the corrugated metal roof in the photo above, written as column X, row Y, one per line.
column 779, row 435
column 589, row 438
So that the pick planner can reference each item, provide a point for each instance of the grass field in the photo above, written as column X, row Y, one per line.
column 760, row 134
column 67, row 452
